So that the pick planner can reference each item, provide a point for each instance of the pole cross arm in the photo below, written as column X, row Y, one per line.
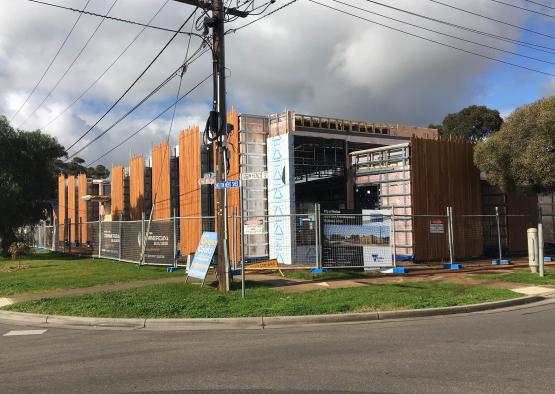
column 208, row 6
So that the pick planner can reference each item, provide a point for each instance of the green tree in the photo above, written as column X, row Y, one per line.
column 474, row 123
column 76, row 167
column 521, row 156
column 27, row 173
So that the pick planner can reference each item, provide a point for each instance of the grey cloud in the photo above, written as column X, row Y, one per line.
column 305, row 58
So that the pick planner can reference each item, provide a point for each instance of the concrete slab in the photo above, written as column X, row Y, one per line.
column 5, row 302
column 535, row 290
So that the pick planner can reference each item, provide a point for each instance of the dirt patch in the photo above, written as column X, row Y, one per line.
column 15, row 269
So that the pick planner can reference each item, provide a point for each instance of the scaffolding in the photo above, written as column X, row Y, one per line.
column 253, row 131
column 388, row 169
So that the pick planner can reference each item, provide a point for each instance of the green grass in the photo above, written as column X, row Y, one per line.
column 180, row 300
column 522, row 277
column 329, row 275
column 50, row 271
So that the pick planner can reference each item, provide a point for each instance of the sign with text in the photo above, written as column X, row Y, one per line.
column 203, row 256
column 436, row 226
column 227, row 185
column 247, row 176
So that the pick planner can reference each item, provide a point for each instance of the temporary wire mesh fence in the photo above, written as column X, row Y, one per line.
column 368, row 240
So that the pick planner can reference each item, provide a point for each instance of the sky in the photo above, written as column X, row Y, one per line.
column 305, row 57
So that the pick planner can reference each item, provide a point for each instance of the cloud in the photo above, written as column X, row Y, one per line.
column 305, row 57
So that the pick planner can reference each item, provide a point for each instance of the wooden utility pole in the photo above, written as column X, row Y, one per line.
column 218, row 61
column 217, row 23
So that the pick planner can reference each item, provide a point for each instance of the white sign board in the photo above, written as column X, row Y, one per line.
column 251, row 229
column 206, row 181
column 436, row 226
column 247, row 176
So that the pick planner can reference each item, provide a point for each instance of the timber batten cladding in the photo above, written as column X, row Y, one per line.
column 118, row 192
column 443, row 174
column 189, row 190
column 72, row 208
column 161, row 188
column 62, row 207
column 140, row 187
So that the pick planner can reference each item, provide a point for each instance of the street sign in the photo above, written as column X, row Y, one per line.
column 207, row 181
column 227, row 185
column 203, row 256
column 247, row 176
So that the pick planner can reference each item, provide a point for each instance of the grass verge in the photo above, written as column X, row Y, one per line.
column 522, row 277
column 49, row 271
column 179, row 300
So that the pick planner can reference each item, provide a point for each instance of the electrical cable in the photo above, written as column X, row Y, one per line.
column 149, row 95
column 492, row 19
column 134, row 82
column 434, row 41
column 234, row 30
column 444, row 34
column 523, row 8
column 114, row 18
column 107, row 69
column 540, row 4
column 71, row 64
column 49, row 64
column 537, row 47
column 147, row 124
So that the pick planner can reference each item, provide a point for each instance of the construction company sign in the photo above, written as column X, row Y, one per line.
column 159, row 246
column 281, row 198
column 110, row 240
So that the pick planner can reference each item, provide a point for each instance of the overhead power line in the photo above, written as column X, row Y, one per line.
column 493, row 19
column 84, row 92
column 536, row 47
column 114, row 18
column 540, row 4
column 155, row 118
column 175, row 73
column 524, row 8
column 70, row 65
column 444, row 34
column 433, row 41
column 261, row 17
column 134, row 82
column 50, row 64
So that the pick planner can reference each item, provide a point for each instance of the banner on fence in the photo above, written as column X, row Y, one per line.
column 357, row 238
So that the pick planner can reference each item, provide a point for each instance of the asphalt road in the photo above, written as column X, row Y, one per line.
column 495, row 352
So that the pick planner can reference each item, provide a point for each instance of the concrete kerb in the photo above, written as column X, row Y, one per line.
column 250, row 323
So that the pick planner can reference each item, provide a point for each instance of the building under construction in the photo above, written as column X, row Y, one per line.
column 290, row 166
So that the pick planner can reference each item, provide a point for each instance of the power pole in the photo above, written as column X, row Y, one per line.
column 218, row 61
column 217, row 23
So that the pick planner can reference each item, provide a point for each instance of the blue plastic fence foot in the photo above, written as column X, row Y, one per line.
column 399, row 270
column 236, row 272
column 502, row 262
column 548, row 259
column 452, row 266
column 318, row 270
column 173, row 269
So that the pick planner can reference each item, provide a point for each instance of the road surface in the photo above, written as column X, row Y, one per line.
column 495, row 352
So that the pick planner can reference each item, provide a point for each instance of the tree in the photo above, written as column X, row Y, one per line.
column 474, row 123
column 521, row 156
column 27, row 172
column 76, row 167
